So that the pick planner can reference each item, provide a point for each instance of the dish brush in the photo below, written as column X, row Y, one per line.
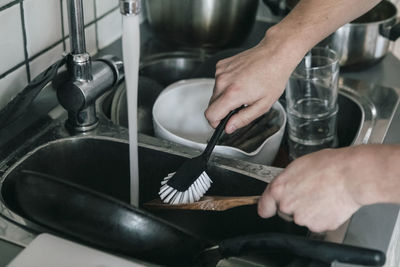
column 189, row 183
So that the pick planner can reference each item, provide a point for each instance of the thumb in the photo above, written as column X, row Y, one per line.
column 267, row 205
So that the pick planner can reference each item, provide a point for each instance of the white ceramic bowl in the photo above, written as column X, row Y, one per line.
column 178, row 116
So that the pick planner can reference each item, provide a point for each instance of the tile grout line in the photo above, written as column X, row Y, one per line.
column 97, row 20
column 3, row 75
column 62, row 25
column 108, row 12
column 47, row 49
column 13, row 3
column 63, row 39
column 39, row 53
column 28, row 72
column 96, row 27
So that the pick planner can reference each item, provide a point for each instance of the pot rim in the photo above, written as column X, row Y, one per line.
column 172, row 55
column 394, row 17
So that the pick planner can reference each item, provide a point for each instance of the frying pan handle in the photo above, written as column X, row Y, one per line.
column 394, row 32
column 312, row 249
column 19, row 104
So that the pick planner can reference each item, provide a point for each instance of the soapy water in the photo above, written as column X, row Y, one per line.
column 131, row 53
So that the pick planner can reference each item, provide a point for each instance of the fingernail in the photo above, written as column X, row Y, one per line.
column 231, row 128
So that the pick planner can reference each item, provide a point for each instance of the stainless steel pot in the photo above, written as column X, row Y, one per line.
column 361, row 43
column 169, row 67
column 202, row 23
column 365, row 41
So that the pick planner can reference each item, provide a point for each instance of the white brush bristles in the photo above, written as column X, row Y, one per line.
column 170, row 195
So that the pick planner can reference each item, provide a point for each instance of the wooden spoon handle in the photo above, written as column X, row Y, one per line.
column 225, row 203
column 215, row 203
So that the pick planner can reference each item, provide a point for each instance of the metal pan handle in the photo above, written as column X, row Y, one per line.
column 316, row 250
column 18, row 106
column 395, row 31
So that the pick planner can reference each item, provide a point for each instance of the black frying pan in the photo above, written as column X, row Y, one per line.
column 107, row 223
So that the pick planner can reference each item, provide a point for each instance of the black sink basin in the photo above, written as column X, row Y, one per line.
column 348, row 121
column 103, row 165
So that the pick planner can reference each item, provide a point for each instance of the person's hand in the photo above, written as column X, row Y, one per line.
column 323, row 189
column 255, row 77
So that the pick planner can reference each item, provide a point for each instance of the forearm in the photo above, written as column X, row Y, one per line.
column 313, row 20
column 376, row 170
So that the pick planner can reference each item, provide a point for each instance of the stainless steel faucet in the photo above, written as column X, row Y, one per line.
column 85, row 80
column 130, row 7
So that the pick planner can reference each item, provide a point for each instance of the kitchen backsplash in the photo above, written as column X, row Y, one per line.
column 34, row 34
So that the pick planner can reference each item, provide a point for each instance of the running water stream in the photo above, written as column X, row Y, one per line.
column 131, row 53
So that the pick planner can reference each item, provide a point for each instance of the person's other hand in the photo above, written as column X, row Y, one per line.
column 255, row 77
column 323, row 189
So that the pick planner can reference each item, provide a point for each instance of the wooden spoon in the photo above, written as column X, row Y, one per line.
column 215, row 203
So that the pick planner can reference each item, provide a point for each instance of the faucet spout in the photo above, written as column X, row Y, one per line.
column 130, row 7
column 76, row 26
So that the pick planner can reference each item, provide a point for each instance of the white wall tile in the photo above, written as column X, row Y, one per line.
column 88, row 14
column 90, row 33
column 43, row 24
column 11, row 41
column 103, row 6
column 88, row 11
column 90, row 37
column 11, row 85
column 109, row 28
column 44, row 61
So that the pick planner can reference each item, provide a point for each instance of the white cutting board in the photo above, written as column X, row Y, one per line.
column 50, row 251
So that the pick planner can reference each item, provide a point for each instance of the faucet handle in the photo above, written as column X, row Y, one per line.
column 116, row 64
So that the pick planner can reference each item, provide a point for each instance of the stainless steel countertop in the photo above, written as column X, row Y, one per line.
column 382, row 229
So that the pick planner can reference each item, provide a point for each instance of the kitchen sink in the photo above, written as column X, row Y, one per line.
column 99, row 160
column 102, row 164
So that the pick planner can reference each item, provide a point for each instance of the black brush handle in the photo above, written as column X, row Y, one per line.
column 217, row 133
column 317, row 250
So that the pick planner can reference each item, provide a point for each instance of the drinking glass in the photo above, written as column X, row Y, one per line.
column 311, row 102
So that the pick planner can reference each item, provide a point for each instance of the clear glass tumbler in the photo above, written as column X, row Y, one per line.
column 311, row 102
